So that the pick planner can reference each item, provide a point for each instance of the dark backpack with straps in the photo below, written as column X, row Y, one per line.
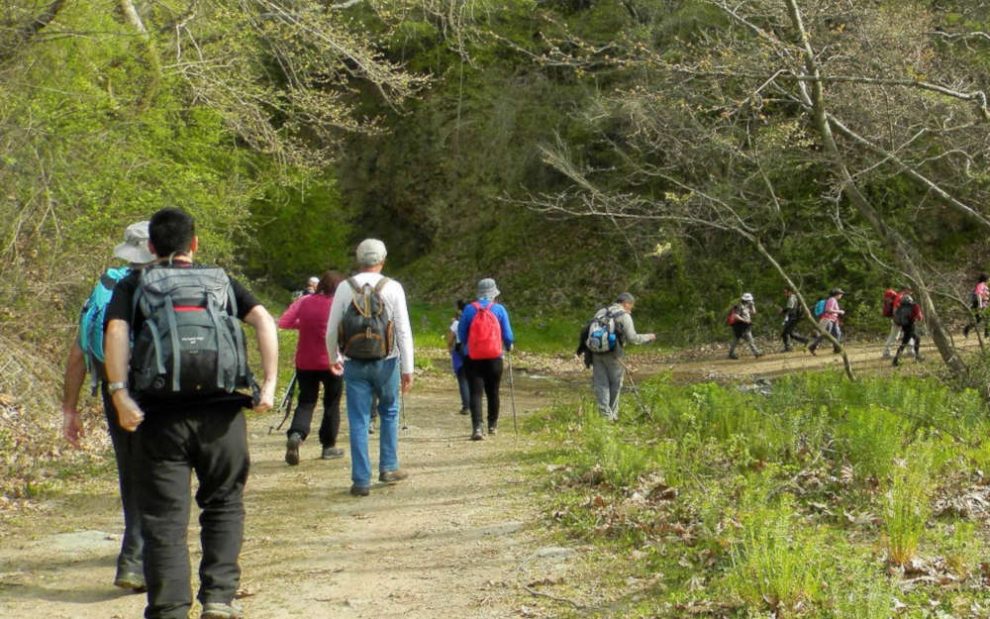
column 366, row 330
column 904, row 314
column 191, row 342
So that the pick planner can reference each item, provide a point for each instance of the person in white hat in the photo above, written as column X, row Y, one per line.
column 741, row 321
column 380, row 365
column 85, row 355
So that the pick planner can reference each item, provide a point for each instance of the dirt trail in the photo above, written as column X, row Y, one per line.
column 459, row 539
column 454, row 540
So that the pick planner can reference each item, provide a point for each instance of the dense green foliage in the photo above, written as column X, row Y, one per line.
column 811, row 497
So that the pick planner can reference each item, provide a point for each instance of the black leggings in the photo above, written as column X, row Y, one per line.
column 484, row 375
column 309, row 391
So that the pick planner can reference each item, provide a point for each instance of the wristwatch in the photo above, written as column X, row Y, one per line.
column 113, row 388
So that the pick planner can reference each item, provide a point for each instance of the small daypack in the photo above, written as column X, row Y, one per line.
column 602, row 336
column 819, row 308
column 366, row 330
column 91, row 319
column 889, row 296
column 904, row 313
column 191, row 342
column 484, row 334
column 733, row 316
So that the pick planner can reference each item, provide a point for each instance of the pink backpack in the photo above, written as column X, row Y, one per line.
column 484, row 334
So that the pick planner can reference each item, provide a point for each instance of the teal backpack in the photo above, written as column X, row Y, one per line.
column 819, row 308
column 91, row 320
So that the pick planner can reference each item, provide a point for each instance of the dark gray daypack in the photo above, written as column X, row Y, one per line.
column 366, row 330
column 191, row 342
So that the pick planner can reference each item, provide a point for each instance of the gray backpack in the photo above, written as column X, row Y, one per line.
column 191, row 342
column 366, row 330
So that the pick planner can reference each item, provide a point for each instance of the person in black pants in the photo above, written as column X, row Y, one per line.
column 309, row 314
column 187, row 431
column 484, row 347
column 792, row 316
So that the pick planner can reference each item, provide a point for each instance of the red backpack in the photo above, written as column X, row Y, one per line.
column 889, row 300
column 484, row 334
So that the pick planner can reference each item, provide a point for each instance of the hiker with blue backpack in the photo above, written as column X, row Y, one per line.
column 485, row 331
column 456, row 350
column 829, row 314
column 181, row 390
column 604, row 339
column 85, row 356
column 740, row 318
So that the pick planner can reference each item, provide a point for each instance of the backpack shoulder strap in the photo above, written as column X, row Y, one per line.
column 381, row 284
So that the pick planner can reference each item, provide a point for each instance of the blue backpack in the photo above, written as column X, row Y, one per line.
column 819, row 308
column 91, row 321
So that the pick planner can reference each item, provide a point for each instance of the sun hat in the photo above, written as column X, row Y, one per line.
column 134, row 249
column 487, row 289
column 747, row 296
column 836, row 291
column 370, row 252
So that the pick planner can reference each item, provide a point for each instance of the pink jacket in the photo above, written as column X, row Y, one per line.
column 309, row 314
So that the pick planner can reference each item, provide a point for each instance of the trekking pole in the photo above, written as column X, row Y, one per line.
column 644, row 411
column 402, row 409
column 512, row 394
column 286, row 404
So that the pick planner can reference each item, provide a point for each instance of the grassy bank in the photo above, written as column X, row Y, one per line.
column 810, row 497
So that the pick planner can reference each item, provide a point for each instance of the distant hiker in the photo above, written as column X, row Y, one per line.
column 741, row 320
column 609, row 331
column 369, row 332
column 180, row 398
column 485, row 332
column 891, row 301
column 309, row 314
column 908, row 313
column 979, row 299
column 792, row 316
column 85, row 356
column 311, row 285
column 829, row 320
column 456, row 351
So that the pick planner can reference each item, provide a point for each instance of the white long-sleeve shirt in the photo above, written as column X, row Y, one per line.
column 395, row 299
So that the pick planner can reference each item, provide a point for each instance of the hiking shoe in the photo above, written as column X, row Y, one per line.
column 477, row 435
column 733, row 355
column 758, row 354
column 465, row 411
column 332, row 453
column 391, row 477
column 897, row 361
column 788, row 349
column 219, row 610
column 130, row 580
column 357, row 490
column 811, row 349
column 292, row 449
column 492, row 430
column 966, row 331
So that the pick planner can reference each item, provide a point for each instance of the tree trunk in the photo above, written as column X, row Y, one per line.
column 891, row 238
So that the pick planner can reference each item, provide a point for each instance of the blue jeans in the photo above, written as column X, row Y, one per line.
column 362, row 381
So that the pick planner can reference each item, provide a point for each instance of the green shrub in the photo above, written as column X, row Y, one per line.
column 906, row 504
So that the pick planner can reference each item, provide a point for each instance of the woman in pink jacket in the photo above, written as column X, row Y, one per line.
column 309, row 314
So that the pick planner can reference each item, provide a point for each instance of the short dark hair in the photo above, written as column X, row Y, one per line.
column 171, row 231
column 984, row 277
column 329, row 282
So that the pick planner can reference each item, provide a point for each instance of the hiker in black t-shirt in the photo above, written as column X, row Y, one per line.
column 184, row 431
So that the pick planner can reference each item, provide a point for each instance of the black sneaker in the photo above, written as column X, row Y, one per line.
column 465, row 411
column 332, row 453
column 897, row 361
column 130, row 580
column 477, row 435
column 219, row 610
column 391, row 477
column 733, row 355
column 292, row 449
column 492, row 430
column 357, row 490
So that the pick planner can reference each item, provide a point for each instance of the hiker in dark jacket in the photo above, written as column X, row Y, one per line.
column 741, row 320
column 792, row 316
column 908, row 313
